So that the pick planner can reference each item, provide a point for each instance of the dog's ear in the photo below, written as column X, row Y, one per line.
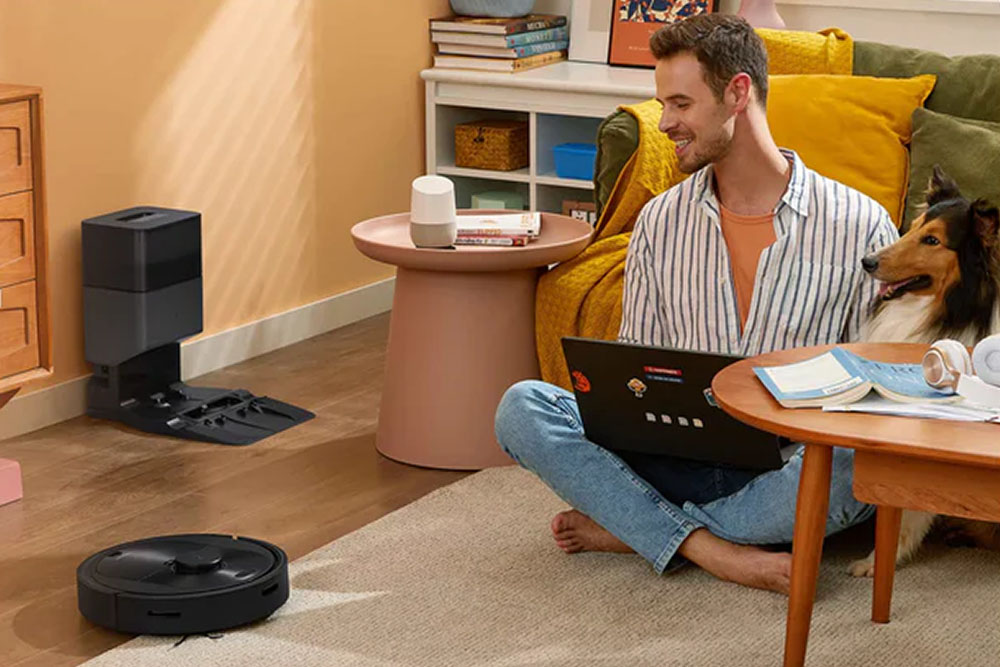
column 941, row 187
column 986, row 219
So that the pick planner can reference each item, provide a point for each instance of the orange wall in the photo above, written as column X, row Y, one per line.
column 283, row 122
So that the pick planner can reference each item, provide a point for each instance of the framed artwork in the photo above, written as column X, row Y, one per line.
column 581, row 210
column 634, row 21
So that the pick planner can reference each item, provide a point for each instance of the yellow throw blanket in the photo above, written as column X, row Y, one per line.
column 582, row 297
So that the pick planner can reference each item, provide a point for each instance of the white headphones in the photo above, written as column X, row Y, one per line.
column 947, row 365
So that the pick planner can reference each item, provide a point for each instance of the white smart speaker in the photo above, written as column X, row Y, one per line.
column 432, row 212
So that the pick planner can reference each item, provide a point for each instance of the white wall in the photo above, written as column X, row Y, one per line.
column 951, row 27
column 954, row 31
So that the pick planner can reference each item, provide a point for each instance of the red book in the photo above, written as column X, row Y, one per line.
column 492, row 239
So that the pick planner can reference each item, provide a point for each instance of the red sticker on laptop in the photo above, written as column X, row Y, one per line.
column 661, row 374
column 580, row 382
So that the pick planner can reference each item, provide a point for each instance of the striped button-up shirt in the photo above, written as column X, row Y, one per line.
column 809, row 288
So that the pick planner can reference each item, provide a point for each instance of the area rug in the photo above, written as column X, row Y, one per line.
column 468, row 575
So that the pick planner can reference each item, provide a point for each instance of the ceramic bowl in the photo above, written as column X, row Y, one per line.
column 498, row 8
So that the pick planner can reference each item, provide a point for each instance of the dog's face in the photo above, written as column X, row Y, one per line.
column 951, row 239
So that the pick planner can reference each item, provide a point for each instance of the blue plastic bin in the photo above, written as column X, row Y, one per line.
column 575, row 160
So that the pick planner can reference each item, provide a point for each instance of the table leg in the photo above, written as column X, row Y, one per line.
column 807, row 548
column 457, row 341
column 887, row 520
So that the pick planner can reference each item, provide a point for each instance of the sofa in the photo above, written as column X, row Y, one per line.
column 878, row 118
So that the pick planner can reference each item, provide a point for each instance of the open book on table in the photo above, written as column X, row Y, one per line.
column 839, row 377
column 841, row 381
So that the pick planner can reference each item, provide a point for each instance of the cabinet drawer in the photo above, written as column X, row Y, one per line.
column 17, row 239
column 18, row 329
column 15, row 147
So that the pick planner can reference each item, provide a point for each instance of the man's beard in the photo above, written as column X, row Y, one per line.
column 696, row 159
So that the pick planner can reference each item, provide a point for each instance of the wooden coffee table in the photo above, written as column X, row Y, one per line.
column 462, row 331
column 945, row 467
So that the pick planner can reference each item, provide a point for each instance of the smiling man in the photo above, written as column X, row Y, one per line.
column 754, row 252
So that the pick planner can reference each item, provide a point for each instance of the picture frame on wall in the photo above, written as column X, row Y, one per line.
column 634, row 21
column 590, row 30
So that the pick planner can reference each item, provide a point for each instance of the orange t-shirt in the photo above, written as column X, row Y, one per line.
column 746, row 237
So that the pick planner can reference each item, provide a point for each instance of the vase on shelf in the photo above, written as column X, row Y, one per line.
column 492, row 8
column 761, row 14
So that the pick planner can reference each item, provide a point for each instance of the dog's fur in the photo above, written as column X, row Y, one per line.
column 940, row 280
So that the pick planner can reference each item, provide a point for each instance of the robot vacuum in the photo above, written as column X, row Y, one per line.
column 182, row 584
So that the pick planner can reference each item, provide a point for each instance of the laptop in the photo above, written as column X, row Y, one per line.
column 659, row 400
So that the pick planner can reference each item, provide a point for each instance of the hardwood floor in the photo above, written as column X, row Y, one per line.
column 90, row 484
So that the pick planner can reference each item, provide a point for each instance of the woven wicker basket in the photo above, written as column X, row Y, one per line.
column 492, row 144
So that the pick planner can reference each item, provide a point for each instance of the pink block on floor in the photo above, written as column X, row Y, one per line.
column 10, row 481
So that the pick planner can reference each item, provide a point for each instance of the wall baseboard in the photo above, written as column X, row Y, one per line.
column 69, row 399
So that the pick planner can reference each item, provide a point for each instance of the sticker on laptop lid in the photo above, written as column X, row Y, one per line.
column 710, row 397
column 660, row 370
column 580, row 382
column 661, row 374
column 637, row 386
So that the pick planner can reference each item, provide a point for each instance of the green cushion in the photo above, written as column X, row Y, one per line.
column 617, row 139
column 967, row 86
column 967, row 150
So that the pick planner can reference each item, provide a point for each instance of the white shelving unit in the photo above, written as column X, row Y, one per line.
column 561, row 103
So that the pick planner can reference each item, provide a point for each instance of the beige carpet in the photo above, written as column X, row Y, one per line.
column 469, row 576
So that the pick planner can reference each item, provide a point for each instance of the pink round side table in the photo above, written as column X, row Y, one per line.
column 462, row 330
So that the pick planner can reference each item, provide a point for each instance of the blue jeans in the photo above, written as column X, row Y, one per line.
column 652, row 503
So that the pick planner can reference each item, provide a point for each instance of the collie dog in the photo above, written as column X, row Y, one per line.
column 939, row 280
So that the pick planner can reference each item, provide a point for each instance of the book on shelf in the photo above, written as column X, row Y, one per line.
column 499, row 41
column 499, row 52
column 840, row 377
column 499, row 64
column 509, row 224
column 498, row 26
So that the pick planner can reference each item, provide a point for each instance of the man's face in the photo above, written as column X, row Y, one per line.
column 700, row 125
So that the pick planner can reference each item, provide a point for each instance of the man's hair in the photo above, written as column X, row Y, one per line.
column 724, row 44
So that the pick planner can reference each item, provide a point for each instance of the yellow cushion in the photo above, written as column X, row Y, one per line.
column 829, row 51
column 853, row 129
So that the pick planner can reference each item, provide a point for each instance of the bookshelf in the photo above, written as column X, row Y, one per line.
column 561, row 102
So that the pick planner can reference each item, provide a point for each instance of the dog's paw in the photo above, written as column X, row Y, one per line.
column 862, row 568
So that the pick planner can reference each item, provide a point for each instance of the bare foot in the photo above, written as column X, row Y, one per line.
column 740, row 564
column 574, row 532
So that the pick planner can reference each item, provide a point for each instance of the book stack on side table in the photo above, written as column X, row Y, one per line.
column 507, row 229
column 499, row 44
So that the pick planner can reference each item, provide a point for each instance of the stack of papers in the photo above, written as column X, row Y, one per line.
column 962, row 411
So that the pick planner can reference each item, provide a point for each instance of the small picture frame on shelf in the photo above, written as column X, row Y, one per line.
column 634, row 21
column 581, row 210
column 590, row 30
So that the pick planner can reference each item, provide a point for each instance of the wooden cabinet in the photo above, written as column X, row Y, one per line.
column 25, row 332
